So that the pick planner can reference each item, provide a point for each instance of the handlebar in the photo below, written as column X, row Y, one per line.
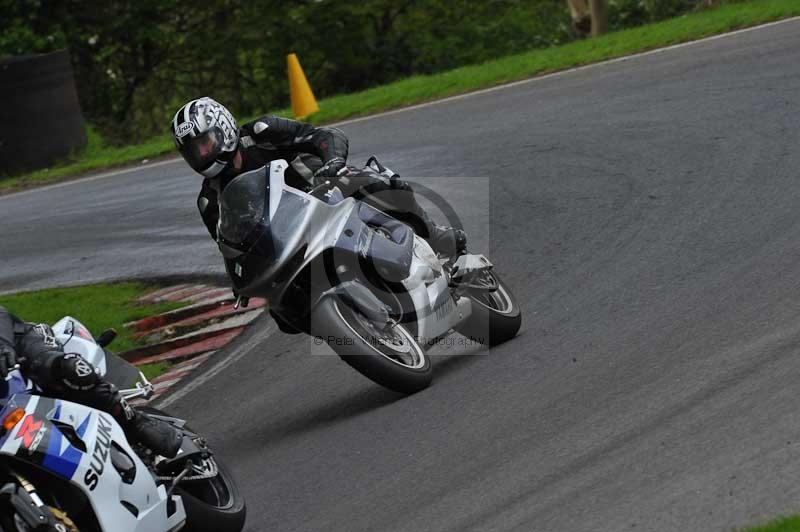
column 144, row 389
column 322, row 186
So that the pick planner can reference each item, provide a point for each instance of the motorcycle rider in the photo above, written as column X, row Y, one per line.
column 208, row 138
column 68, row 376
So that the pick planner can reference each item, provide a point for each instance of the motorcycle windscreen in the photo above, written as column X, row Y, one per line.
column 243, row 204
column 244, row 222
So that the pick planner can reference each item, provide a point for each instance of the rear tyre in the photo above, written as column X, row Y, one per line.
column 496, row 316
column 390, row 357
column 212, row 505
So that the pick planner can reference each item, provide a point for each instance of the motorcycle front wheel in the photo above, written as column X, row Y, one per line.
column 213, row 504
column 389, row 356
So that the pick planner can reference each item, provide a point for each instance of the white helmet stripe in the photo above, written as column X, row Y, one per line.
column 175, row 121
column 186, row 110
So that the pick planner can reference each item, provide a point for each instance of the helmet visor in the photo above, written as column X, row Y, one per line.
column 201, row 151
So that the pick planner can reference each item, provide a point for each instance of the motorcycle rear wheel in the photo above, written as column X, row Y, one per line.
column 390, row 356
column 496, row 316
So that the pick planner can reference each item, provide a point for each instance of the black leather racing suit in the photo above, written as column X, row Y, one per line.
column 72, row 378
column 307, row 149
column 43, row 365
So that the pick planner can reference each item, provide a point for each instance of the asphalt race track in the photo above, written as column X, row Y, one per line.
column 647, row 214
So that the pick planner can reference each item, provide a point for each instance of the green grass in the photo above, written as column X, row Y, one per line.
column 151, row 371
column 99, row 307
column 784, row 524
column 419, row 89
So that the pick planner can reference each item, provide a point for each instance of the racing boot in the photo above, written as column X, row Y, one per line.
column 158, row 436
column 383, row 189
column 444, row 240
column 155, row 434
column 447, row 241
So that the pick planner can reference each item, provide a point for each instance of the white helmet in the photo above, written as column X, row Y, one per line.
column 206, row 135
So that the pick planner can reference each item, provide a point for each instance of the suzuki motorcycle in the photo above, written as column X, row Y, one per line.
column 354, row 278
column 67, row 467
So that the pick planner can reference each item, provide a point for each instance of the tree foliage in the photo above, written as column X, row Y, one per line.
column 137, row 61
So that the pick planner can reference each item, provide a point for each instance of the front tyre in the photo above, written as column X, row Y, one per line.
column 496, row 316
column 389, row 356
column 213, row 504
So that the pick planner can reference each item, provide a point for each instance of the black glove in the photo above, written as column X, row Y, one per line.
column 8, row 359
column 330, row 170
column 76, row 373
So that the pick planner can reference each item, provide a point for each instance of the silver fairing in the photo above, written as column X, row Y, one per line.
column 428, row 286
column 317, row 224
column 298, row 219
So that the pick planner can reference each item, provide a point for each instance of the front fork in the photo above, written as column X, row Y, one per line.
column 28, row 506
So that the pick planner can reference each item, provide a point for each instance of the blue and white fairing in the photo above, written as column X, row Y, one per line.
column 84, row 446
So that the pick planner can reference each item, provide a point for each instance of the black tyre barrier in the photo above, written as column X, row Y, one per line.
column 39, row 112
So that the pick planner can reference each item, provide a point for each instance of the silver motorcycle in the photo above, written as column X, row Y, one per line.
column 356, row 279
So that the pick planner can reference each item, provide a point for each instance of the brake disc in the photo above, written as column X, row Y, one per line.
column 63, row 522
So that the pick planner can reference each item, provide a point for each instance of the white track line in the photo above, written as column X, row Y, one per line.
column 225, row 361
column 443, row 100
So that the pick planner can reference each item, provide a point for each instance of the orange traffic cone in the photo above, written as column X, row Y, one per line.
column 303, row 101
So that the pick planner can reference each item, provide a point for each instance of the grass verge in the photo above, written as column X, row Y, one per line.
column 99, row 307
column 419, row 89
column 783, row 524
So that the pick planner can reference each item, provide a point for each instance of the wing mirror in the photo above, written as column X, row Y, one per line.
column 106, row 337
